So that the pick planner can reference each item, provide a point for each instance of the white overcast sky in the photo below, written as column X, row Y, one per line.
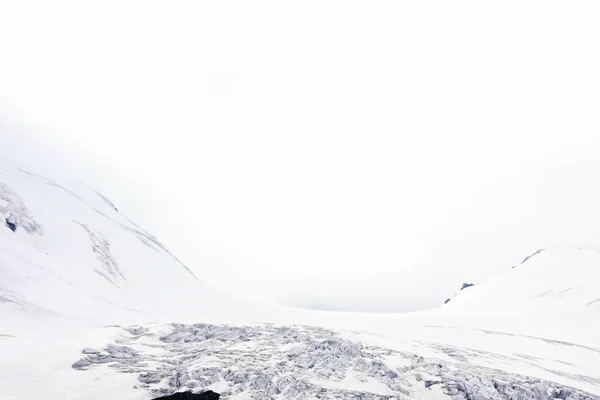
column 347, row 155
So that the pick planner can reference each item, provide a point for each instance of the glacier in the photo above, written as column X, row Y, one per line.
column 93, row 306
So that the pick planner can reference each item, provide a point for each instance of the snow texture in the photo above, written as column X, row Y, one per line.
column 101, row 247
column 270, row 362
column 15, row 213
column 74, row 271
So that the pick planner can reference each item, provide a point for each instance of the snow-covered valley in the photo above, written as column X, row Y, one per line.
column 92, row 306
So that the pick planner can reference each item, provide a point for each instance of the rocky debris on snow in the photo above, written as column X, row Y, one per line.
column 208, row 395
column 270, row 362
column 463, row 287
column 145, row 237
column 15, row 213
column 101, row 246
column 538, row 251
column 105, row 199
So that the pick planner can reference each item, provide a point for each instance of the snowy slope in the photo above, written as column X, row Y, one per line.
column 553, row 281
column 92, row 306
column 74, row 255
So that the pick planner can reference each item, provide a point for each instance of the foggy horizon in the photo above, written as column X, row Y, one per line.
column 372, row 167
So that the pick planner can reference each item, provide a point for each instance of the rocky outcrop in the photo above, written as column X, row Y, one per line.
column 11, row 224
column 15, row 213
column 463, row 287
column 208, row 395
column 538, row 251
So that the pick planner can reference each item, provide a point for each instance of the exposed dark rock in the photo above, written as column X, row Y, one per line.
column 15, row 213
column 538, row 251
column 12, row 226
column 463, row 287
column 208, row 395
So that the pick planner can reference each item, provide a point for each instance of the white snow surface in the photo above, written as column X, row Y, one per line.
column 92, row 306
column 558, row 280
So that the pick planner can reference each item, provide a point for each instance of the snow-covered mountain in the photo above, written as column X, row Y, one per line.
column 549, row 281
column 92, row 306
column 66, row 251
